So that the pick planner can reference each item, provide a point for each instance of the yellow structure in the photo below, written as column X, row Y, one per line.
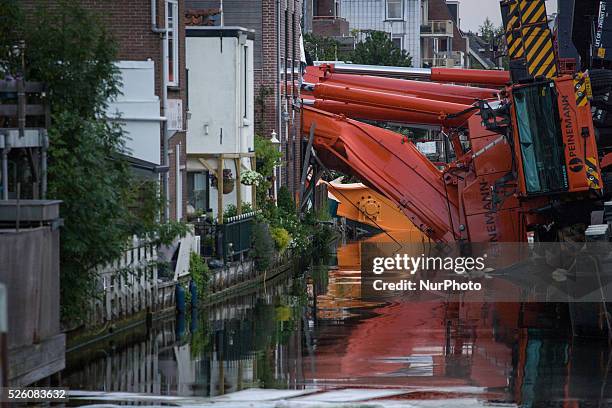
column 360, row 203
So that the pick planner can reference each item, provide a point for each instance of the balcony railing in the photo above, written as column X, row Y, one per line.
column 437, row 28
column 448, row 59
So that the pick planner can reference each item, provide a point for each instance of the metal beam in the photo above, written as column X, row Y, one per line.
column 306, row 163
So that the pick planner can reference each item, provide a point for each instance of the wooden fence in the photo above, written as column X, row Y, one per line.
column 130, row 285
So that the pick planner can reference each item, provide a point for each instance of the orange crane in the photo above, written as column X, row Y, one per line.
column 526, row 151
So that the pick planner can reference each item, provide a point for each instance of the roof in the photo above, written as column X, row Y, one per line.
column 478, row 48
column 218, row 31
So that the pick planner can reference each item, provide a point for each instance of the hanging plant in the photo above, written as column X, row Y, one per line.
column 251, row 178
column 228, row 181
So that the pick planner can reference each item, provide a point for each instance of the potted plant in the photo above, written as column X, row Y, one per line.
column 228, row 181
column 251, row 178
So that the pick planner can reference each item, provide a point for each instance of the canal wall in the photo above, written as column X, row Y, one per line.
column 237, row 277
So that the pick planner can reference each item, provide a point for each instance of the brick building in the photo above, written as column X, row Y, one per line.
column 138, row 26
column 324, row 19
column 442, row 42
column 277, row 26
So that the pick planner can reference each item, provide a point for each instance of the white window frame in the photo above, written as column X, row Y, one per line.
column 175, row 42
column 401, row 40
column 401, row 17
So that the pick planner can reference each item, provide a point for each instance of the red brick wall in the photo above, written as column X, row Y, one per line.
column 330, row 27
column 129, row 22
column 267, row 78
column 325, row 8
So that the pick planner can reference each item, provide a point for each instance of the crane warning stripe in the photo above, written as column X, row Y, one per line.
column 513, row 37
column 532, row 11
column 592, row 173
column 580, row 88
column 539, row 50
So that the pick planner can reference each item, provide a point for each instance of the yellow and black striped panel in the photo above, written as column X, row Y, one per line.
column 581, row 89
column 512, row 23
column 539, row 50
column 532, row 12
column 592, row 173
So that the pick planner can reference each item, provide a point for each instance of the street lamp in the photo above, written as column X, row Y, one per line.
column 276, row 143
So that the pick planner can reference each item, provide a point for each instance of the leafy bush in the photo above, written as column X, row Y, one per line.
column 282, row 239
column 231, row 210
column 268, row 157
column 262, row 246
column 285, row 200
column 200, row 274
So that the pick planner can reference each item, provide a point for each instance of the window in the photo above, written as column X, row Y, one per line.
column 172, row 39
column 197, row 190
column 540, row 137
column 395, row 10
column 443, row 45
column 397, row 41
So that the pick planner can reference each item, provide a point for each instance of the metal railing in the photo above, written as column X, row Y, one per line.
column 449, row 59
column 235, row 235
column 437, row 27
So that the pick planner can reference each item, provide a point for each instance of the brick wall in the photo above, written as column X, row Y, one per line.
column 330, row 27
column 324, row 8
column 129, row 22
column 291, row 13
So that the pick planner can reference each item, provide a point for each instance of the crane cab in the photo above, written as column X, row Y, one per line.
column 553, row 137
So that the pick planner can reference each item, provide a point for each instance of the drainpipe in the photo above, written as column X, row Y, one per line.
column 5, row 177
column 278, row 81
column 164, row 96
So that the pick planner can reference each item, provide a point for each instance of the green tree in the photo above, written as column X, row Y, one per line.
column 494, row 36
column 378, row 49
column 10, row 18
column 69, row 49
column 487, row 30
column 323, row 48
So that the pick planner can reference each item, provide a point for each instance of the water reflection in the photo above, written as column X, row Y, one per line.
column 313, row 329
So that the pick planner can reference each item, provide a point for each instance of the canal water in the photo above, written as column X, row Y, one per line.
column 311, row 329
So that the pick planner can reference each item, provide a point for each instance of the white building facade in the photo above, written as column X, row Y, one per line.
column 400, row 18
column 220, row 117
column 137, row 109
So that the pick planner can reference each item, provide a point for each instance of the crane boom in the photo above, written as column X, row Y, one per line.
column 392, row 165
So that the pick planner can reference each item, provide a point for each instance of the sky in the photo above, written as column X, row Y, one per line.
column 473, row 12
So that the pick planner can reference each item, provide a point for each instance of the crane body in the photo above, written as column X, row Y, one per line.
column 526, row 152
